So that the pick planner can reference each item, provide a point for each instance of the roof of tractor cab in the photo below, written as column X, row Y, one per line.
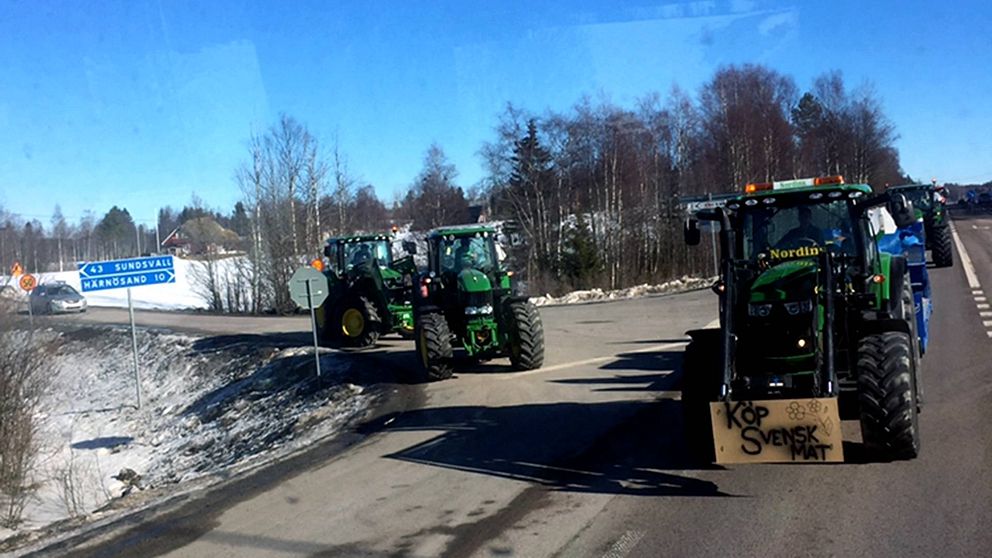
column 788, row 193
column 461, row 230
column 358, row 238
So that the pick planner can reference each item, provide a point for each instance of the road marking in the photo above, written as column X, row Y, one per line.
column 624, row 544
column 969, row 268
column 981, row 301
column 597, row 360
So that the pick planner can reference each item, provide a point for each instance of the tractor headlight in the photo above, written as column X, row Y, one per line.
column 801, row 307
column 478, row 310
column 759, row 310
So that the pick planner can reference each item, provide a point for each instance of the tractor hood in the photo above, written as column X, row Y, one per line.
column 473, row 281
column 785, row 281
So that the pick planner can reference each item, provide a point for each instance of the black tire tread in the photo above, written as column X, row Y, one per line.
column 437, row 336
column 886, row 395
column 528, row 333
column 943, row 254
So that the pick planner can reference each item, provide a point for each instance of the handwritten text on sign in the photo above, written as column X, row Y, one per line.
column 774, row 431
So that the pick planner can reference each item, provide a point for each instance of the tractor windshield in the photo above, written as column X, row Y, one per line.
column 922, row 198
column 476, row 252
column 783, row 230
column 357, row 253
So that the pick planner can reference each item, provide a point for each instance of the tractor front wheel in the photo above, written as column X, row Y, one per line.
column 526, row 336
column 433, row 339
column 887, row 395
column 943, row 255
column 700, row 366
column 359, row 323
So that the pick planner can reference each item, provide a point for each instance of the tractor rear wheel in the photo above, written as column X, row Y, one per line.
column 433, row 339
column 943, row 255
column 526, row 336
column 359, row 322
column 700, row 366
column 887, row 395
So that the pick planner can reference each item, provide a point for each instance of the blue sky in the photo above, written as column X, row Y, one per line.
column 141, row 104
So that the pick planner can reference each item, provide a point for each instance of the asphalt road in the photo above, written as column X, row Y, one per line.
column 585, row 457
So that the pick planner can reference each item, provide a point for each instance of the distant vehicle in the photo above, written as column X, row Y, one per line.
column 56, row 298
column 985, row 199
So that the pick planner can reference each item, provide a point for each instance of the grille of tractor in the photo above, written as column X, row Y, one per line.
column 479, row 299
column 778, row 344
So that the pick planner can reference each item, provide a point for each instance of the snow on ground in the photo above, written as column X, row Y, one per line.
column 209, row 405
column 599, row 295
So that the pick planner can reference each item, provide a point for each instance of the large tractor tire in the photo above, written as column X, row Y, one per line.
column 700, row 368
column 433, row 341
column 327, row 334
column 908, row 313
column 359, row 322
column 943, row 255
column 526, row 336
column 887, row 395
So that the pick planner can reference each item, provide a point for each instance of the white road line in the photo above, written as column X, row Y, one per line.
column 987, row 323
column 989, row 333
column 977, row 291
column 985, row 313
column 982, row 306
column 598, row 360
column 981, row 299
column 624, row 544
column 969, row 268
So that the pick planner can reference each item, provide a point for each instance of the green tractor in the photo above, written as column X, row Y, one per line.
column 370, row 293
column 466, row 299
column 814, row 318
column 931, row 203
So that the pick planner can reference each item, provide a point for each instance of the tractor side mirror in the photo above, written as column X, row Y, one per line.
column 691, row 231
column 410, row 247
column 901, row 210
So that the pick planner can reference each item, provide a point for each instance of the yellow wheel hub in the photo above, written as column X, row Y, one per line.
column 352, row 322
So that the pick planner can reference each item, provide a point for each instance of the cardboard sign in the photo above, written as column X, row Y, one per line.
column 777, row 431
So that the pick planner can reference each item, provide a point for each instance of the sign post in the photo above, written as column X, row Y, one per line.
column 28, row 282
column 129, row 273
column 308, row 289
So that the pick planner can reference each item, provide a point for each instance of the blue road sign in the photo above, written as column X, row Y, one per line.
column 119, row 274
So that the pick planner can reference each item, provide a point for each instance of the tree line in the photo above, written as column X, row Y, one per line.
column 593, row 191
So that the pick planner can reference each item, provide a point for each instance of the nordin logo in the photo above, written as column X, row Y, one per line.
column 792, row 253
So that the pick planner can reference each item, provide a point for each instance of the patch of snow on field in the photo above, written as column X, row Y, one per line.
column 599, row 295
column 208, row 404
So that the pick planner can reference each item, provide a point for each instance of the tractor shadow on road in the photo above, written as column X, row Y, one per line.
column 622, row 447
column 625, row 447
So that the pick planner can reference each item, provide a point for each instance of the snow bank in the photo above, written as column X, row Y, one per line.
column 208, row 405
column 599, row 295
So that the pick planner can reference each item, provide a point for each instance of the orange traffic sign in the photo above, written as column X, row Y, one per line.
column 16, row 269
column 28, row 282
